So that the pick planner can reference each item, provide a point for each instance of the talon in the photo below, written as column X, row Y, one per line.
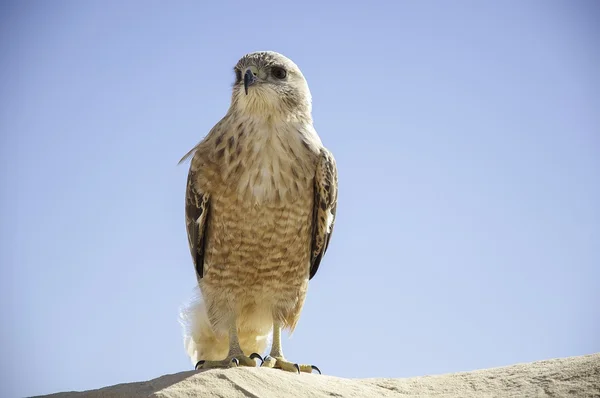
column 255, row 355
column 297, row 367
column 265, row 359
column 315, row 368
column 199, row 363
column 236, row 361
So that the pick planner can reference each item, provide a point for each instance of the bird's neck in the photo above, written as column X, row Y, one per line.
column 270, row 116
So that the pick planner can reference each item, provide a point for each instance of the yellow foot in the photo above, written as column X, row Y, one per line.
column 229, row 362
column 283, row 364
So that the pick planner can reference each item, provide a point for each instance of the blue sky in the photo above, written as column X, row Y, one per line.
column 467, row 138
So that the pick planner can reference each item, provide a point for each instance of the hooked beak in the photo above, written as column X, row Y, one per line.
column 249, row 79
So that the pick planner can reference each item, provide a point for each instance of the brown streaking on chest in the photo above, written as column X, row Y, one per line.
column 261, row 187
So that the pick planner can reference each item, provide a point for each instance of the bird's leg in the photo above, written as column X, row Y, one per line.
column 275, row 359
column 235, row 357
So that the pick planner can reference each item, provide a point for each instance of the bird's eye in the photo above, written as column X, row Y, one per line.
column 278, row 73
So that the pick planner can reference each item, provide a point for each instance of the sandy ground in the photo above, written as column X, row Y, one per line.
column 565, row 377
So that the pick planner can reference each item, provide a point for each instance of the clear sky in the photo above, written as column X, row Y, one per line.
column 467, row 138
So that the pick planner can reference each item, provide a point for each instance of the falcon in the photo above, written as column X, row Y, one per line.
column 260, row 207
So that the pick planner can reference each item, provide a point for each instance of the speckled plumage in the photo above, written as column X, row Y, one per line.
column 260, row 206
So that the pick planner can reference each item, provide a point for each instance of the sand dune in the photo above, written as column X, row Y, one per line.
column 566, row 377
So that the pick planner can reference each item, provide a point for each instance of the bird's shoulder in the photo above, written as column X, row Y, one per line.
column 202, row 148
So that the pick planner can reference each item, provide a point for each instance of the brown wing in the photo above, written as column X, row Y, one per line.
column 197, row 209
column 324, row 210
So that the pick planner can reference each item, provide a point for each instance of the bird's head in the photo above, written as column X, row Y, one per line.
column 270, row 84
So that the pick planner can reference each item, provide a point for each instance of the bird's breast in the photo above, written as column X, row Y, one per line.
column 259, row 233
column 270, row 163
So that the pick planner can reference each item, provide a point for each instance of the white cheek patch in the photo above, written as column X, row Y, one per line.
column 329, row 220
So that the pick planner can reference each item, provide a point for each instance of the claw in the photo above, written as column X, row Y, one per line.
column 315, row 368
column 297, row 367
column 265, row 359
column 255, row 355
column 236, row 361
column 199, row 363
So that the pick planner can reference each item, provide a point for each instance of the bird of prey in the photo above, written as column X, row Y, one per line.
column 260, row 207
